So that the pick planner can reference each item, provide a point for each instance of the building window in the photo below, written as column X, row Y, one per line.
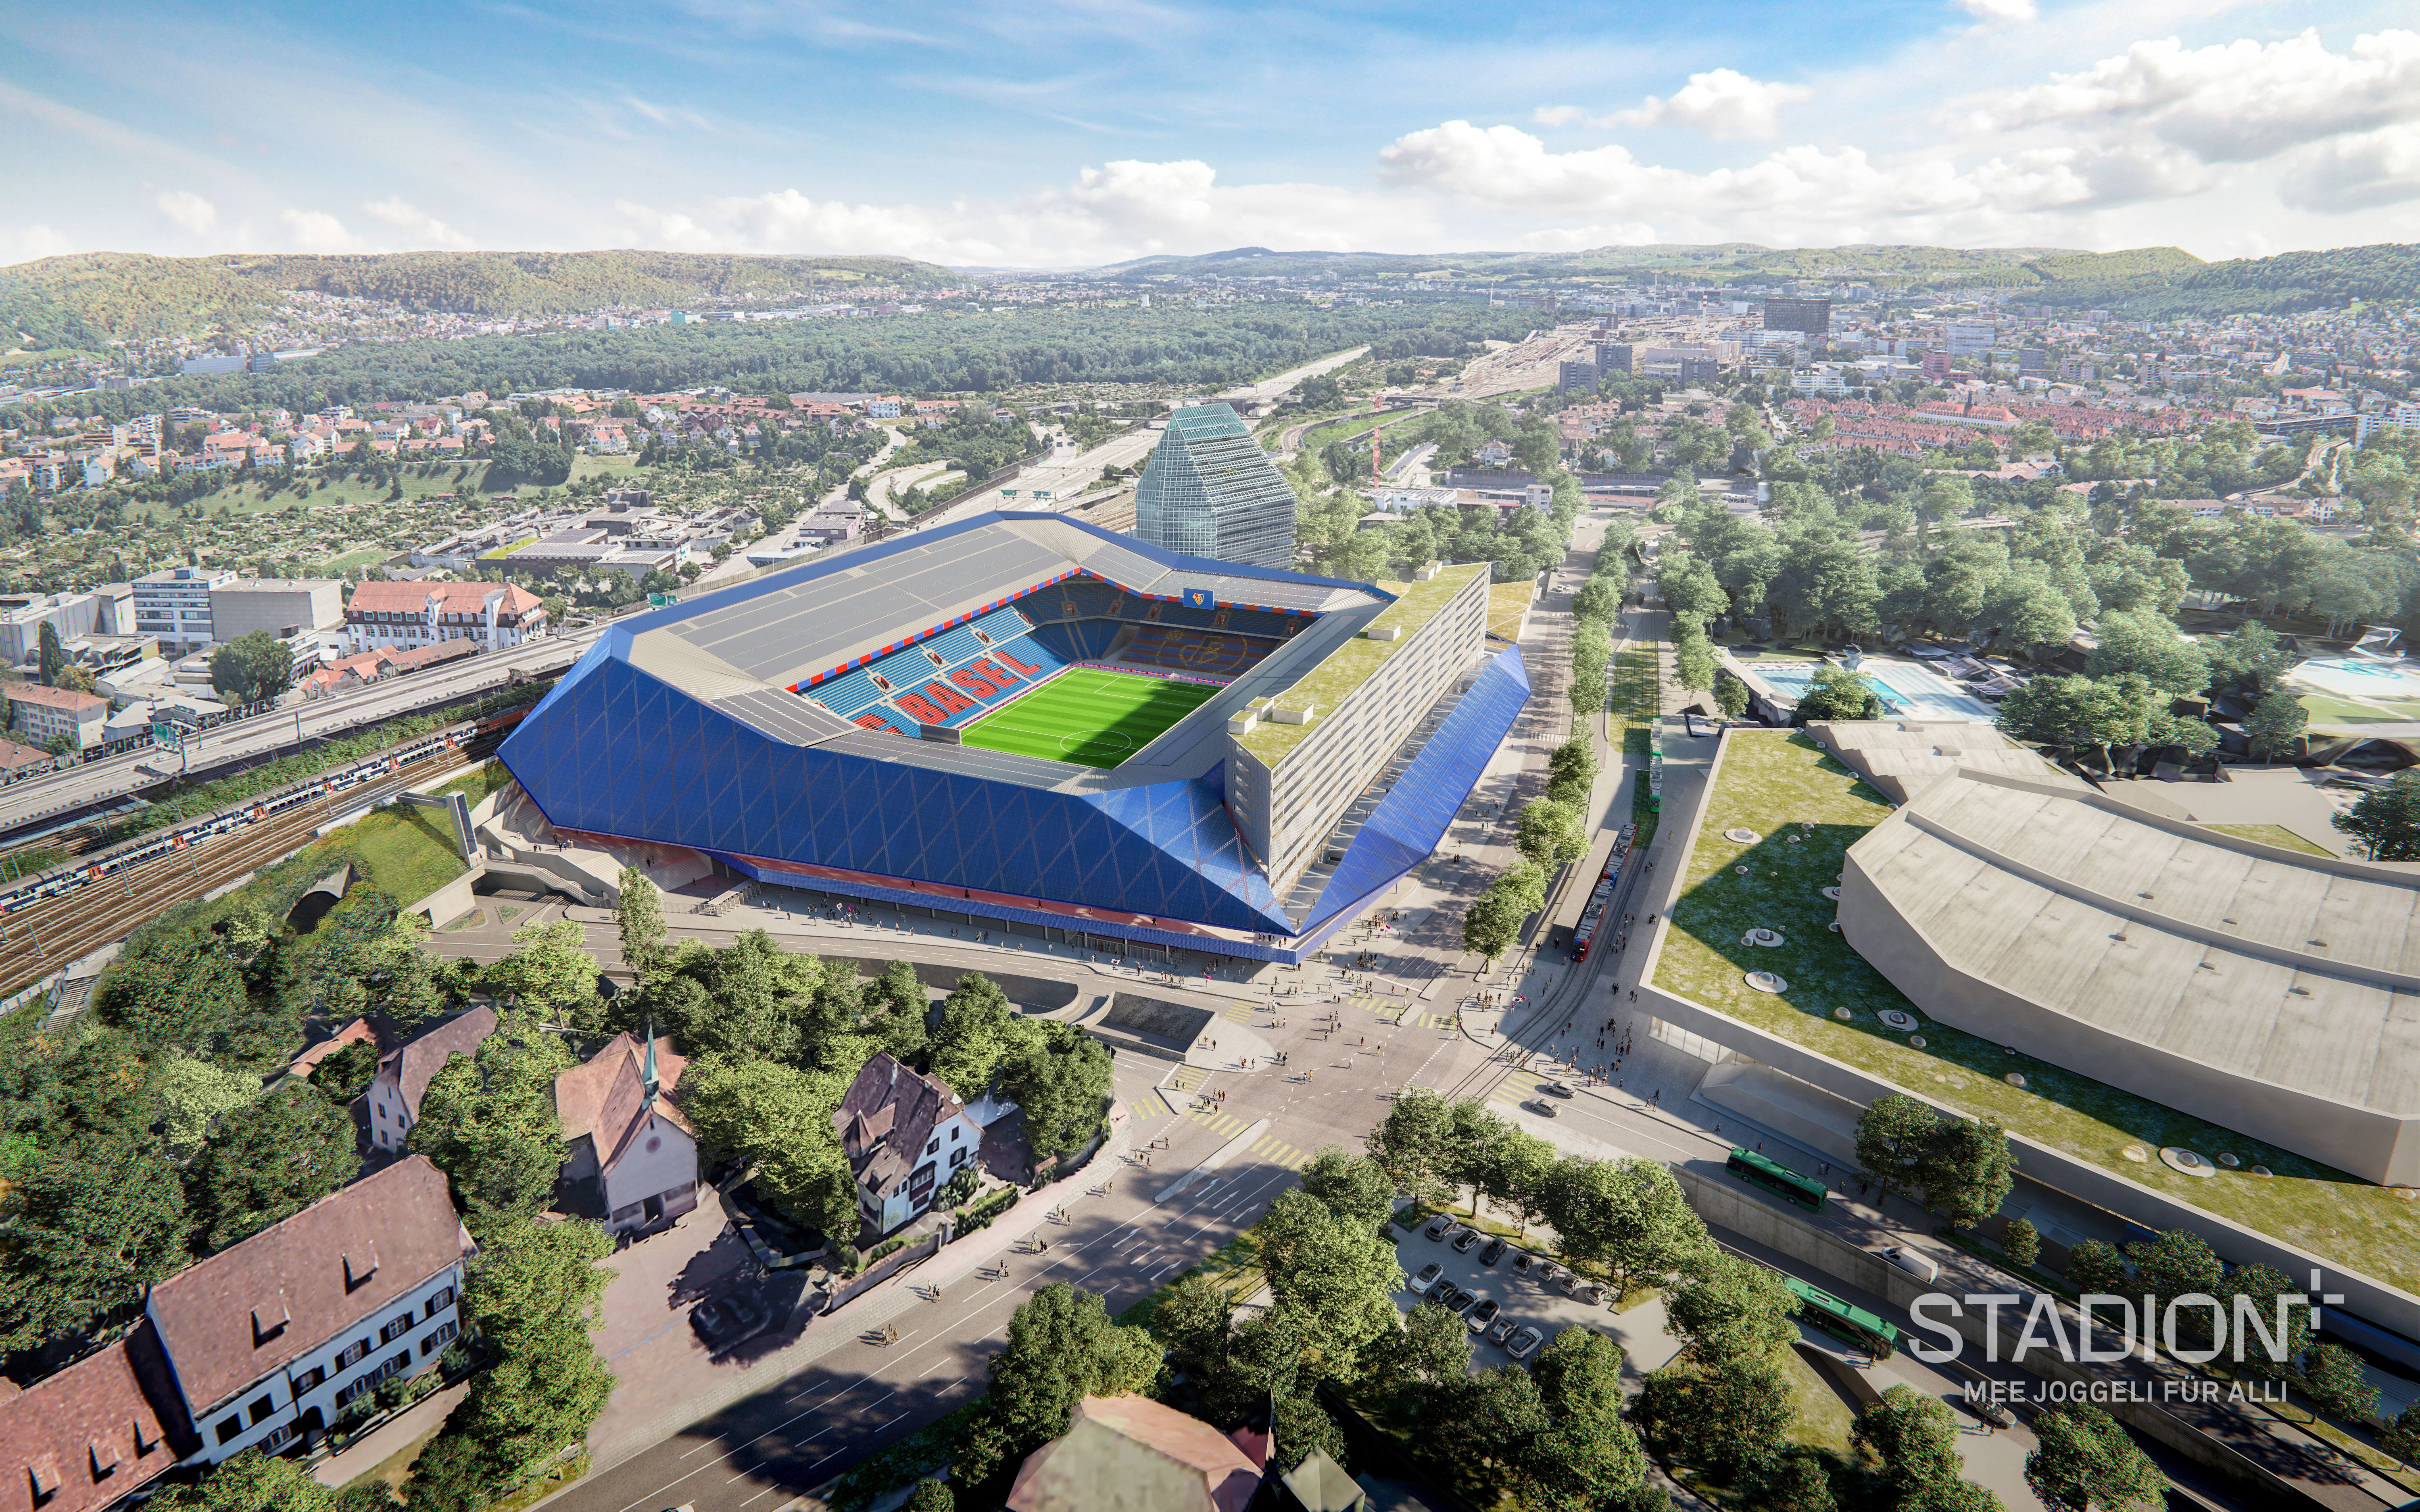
column 309, row 1380
column 438, row 1340
column 395, row 1328
column 933, row 1144
column 353, row 1351
column 230, row 1428
column 259, row 1411
column 438, row 1303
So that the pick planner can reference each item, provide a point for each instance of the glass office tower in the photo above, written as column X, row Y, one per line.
column 1210, row 491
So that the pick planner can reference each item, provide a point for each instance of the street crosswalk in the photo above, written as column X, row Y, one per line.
column 1240, row 1013
column 1190, row 1078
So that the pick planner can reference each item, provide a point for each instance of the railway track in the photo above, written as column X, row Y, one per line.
column 46, row 936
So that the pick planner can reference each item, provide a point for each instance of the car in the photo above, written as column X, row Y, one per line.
column 1428, row 1277
column 1911, row 1262
column 1494, row 1252
column 1545, row 1272
column 1986, row 1409
column 1522, row 1262
column 1524, row 1342
column 1560, row 1088
column 1438, row 1228
column 1439, row 1289
column 1462, row 1301
column 1483, row 1315
column 1467, row 1241
column 1589, row 1292
column 724, row 1320
column 1505, row 1324
column 1541, row 1108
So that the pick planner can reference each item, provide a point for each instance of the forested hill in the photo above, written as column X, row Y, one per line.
column 2144, row 281
column 90, row 299
column 941, row 350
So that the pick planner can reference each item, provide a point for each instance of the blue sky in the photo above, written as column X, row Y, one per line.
column 1058, row 133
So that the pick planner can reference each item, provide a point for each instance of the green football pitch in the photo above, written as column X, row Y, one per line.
column 1092, row 718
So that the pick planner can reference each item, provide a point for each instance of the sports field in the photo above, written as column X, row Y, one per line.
column 1092, row 718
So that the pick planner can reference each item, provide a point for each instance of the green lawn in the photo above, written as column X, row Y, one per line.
column 2324, row 710
column 1090, row 718
column 1771, row 782
column 2277, row 835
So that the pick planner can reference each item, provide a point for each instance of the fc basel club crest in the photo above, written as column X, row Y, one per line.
column 1197, row 598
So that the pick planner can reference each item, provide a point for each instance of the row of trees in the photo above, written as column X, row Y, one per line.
column 1551, row 833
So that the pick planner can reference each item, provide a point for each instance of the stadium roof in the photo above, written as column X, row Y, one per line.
column 2235, row 963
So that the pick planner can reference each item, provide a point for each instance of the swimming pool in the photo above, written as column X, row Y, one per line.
column 1905, row 689
column 2360, row 676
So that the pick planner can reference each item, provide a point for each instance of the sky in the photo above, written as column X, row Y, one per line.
column 1079, row 133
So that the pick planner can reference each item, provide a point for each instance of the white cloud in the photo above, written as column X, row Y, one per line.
column 2239, row 101
column 315, row 231
column 2356, row 173
column 1795, row 194
column 187, row 210
column 415, row 221
column 1999, row 11
column 32, row 243
column 1723, row 103
column 1108, row 213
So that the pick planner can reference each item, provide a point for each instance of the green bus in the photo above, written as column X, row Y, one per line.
column 1779, row 1180
column 1853, row 1326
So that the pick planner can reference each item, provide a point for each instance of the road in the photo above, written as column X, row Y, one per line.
column 1270, row 388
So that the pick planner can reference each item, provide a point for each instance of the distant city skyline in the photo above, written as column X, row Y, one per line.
column 1074, row 133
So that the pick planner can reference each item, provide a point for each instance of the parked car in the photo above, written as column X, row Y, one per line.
column 1986, row 1409
column 1524, row 1342
column 1438, row 1228
column 1911, row 1262
column 1522, row 1262
column 1540, row 1107
column 1467, row 1241
column 725, row 1320
column 1505, row 1324
column 1494, row 1252
column 1545, row 1272
column 1439, row 1289
column 1461, row 1303
column 1589, row 1292
column 1483, row 1315
column 1559, row 1088
column 1428, row 1277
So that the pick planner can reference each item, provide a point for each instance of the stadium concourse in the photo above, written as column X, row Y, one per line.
column 1022, row 717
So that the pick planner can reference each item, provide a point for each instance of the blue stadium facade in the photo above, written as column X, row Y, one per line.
column 740, row 726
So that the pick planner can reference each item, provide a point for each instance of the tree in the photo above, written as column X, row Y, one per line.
column 641, row 921
column 2275, row 725
column 2265, row 1285
column 1693, row 664
column 2022, row 1242
column 932, row 1496
column 2095, row 1266
column 2178, row 1263
column 54, row 656
column 2333, row 1381
column 1432, row 1349
column 1412, row 1144
column 1334, row 1280
column 1796, row 1483
column 1721, row 1415
column 93, row 1222
column 1579, row 1375
column 550, row 968
column 1062, row 1348
column 2401, row 1438
column 1892, row 1137
column 2085, row 1459
column 1627, row 1215
column 254, row 1482
column 978, row 1029
column 2387, row 820
column 1193, row 1321
column 1491, row 923
column 488, row 1121
column 2149, row 644
column 347, row 1074
column 1358, row 1188
column 1519, row 1176
column 1914, row 1435
column 1838, row 693
column 536, row 1294
column 269, row 1160
column 1952, row 1496
column 1967, row 1170
column 1490, row 1418
column 1297, row 1426
column 1548, row 833
column 1725, row 1305
column 2250, row 659
column 1061, row 1081
column 777, row 1119
column 251, row 667
column 1731, row 697
column 197, row 1095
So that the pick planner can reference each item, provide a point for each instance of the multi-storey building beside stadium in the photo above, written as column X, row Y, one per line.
column 1021, row 718
column 1210, row 491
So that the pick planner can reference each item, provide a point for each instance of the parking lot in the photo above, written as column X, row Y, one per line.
column 1545, row 1307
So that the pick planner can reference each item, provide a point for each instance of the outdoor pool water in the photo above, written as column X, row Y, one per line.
column 1905, row 690
column 2360, row 676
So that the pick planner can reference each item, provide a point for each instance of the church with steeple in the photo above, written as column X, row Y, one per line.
column 631, row 1157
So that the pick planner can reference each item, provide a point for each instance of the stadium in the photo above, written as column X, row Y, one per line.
column 1021, row 718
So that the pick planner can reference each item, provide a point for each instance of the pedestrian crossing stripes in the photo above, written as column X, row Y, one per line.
column 1513, row 1091
column 1225, row 1125
column 1240, row 1013
column 1148, row 1109
column 1188, row 1078
column 1279, row 1152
